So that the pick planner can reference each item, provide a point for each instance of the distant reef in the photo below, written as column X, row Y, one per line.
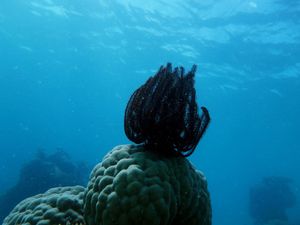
column 270, row 199
column 40, row 174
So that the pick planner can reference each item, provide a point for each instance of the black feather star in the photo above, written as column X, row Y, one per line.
column 163, row 113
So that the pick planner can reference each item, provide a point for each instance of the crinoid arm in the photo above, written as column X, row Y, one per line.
column 163, row 113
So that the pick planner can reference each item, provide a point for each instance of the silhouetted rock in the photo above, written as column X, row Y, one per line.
column 40, row 174
column 270, row 199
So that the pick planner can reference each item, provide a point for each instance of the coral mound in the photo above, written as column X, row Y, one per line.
column 131, row 186
column 134, row 186
column 61, row 205
column 40, row 174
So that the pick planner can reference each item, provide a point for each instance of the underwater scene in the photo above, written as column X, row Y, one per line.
column 201, row 98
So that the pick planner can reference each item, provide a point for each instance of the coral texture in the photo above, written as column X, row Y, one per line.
column 40, row 174
column 61, row 205
column 135, row 186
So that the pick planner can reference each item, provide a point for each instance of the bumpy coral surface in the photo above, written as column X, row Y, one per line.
column 61, row 205
column 38, row 175
column 133, row 186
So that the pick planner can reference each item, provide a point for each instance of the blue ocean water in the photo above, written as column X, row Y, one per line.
column 68, row 68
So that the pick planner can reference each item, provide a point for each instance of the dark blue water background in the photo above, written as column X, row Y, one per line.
column 67, row 69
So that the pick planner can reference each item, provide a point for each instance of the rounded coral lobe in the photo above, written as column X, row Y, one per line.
column 60, row 205
column 163, row 113
column 134, row 186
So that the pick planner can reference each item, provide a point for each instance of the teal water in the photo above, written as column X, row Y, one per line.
column 67, row 69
